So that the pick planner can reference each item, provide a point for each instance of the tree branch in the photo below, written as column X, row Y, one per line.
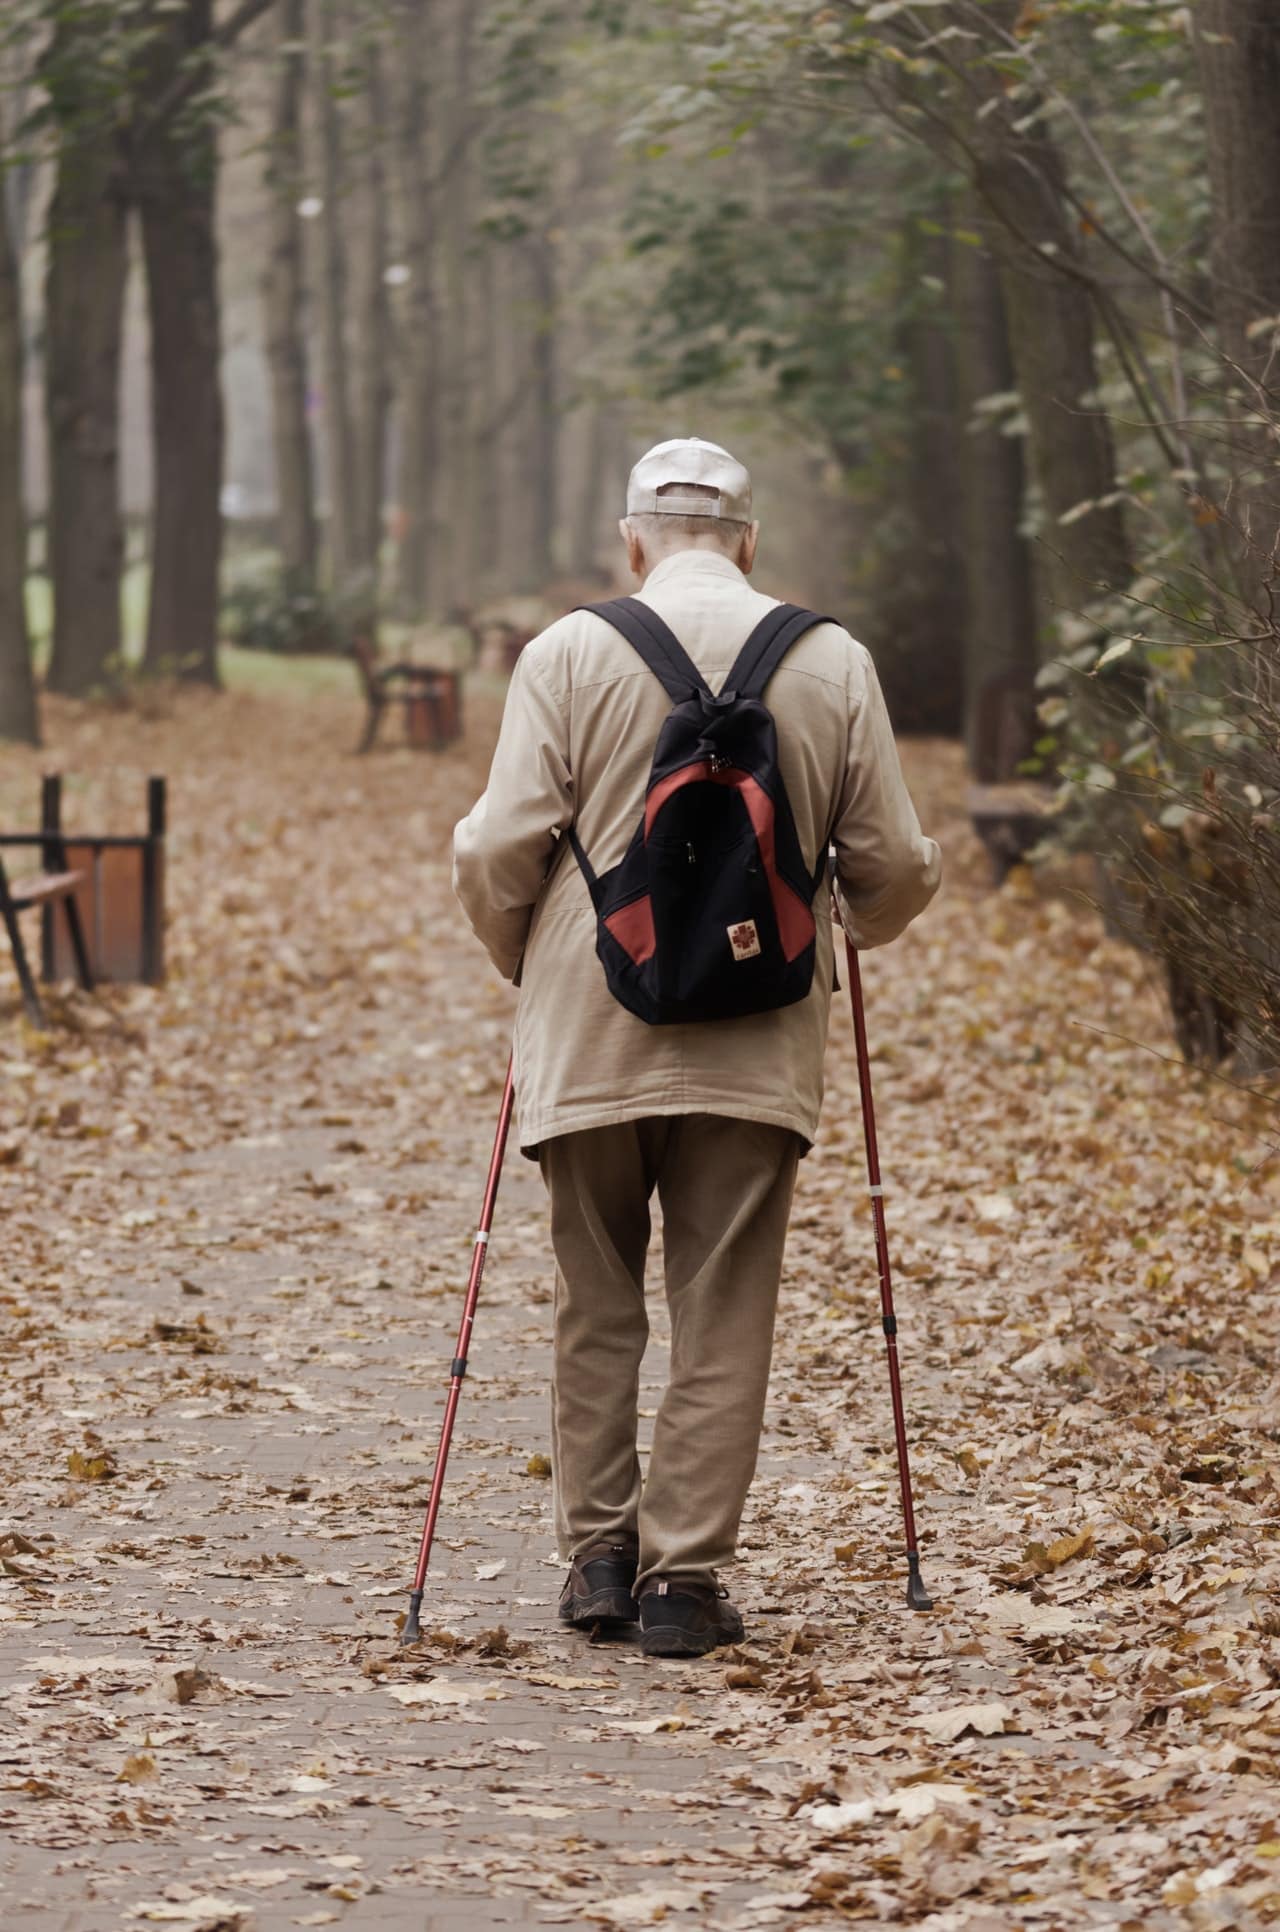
column 243, row 18
column 189, row 79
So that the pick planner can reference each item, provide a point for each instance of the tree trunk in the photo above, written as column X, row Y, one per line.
column 84, row 307
column 1050, row 302
column 483, row 511
column 418, row 434
column 339, row 437
column 457, row 407
column 920, row 591
column 174, row 178
column 1000, row 628
column 510, row 361
column 18, row 717
column 1051, row 335
column 597, row 487
column 1238, row 44
column 545, row 443
column 530, row 468
column 373, row 355
column 284, row 300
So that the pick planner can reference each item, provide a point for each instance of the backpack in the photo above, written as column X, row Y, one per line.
column 709, row 915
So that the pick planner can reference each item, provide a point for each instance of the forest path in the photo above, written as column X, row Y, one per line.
column 236, row 1233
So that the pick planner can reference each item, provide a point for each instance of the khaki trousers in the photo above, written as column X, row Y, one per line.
column 725, row 1187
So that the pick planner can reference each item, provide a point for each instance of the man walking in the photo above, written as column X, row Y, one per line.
column 712, row 1113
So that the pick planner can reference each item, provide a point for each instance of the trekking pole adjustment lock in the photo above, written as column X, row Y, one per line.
column 458, row 1367
column 890, row 1325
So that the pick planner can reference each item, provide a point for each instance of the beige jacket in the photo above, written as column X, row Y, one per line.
column 578, row 733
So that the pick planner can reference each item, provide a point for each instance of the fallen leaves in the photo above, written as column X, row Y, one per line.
column 908, row 1804
column 1040, row 1559
column 649, row 1726
column 649, row 1907
column 198, row 1335
column 984, row 1720
column 1091, row 1714
column 445, row 1690
column 203, row 1914
column 186, row 1685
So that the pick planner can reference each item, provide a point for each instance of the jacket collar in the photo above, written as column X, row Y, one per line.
column 705, row 562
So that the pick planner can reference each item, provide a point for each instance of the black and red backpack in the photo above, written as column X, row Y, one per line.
column 709, row 915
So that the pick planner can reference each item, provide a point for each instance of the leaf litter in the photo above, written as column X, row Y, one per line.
column 209, row 1518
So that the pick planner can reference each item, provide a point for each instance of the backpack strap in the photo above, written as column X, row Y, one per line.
column 656, row 643
column 588, row 871
column 766, row 647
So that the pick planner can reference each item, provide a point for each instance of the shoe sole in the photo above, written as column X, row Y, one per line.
column 669, row 1640
column 606, row 1606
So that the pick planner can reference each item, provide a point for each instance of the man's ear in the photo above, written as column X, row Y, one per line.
column 747, row 553
column 635, row 551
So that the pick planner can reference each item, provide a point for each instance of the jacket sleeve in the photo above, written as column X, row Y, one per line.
column 502, row 849
column 886, row 870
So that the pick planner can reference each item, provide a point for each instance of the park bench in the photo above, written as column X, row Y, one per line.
column 431, row 699
column 111, row 891
column 47, row 890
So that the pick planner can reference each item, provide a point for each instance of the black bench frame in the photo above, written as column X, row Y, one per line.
column 421, row 689
column 51, row 841
column 53, row 887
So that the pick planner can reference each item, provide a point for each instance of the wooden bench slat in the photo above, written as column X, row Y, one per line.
column 44, row 889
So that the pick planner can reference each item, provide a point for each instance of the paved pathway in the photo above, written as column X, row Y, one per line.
column 237, row 1234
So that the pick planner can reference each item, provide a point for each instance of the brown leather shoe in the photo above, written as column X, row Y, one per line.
column 684, row 1617
column 599, row 1585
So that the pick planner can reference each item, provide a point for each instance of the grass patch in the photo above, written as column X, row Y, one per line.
column 270, row 674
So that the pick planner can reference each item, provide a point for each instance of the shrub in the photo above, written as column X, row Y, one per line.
column 267, row 614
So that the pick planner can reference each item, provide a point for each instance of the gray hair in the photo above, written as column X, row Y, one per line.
column 661, row 534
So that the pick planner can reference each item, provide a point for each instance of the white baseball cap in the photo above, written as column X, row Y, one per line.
column 687, row 459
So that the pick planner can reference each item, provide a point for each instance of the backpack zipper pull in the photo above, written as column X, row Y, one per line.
column 689, row 852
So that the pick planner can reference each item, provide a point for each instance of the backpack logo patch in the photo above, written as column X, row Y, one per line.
column 744, row 939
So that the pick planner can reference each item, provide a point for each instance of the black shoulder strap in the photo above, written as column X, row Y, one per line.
column 766, row 647
column 659, row 646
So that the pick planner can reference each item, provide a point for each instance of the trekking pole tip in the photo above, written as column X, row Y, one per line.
column 412, row 1631
column 918, row 1597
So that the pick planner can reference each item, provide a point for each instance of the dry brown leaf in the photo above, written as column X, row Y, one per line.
column 985, row 1720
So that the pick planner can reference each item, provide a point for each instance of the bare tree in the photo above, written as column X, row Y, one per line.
column 173, row 180
column 1238, row 45
column 18, row 716
column 84, row 309
column 416, row 30
column 1000, row 627
column 339, row 436
column 372, row 384
column 284, row 297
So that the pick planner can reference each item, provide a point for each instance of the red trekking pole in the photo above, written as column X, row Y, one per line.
column 411, row 1632
column 917, row 1596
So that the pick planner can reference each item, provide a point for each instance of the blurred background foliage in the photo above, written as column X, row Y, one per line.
column 352, row 314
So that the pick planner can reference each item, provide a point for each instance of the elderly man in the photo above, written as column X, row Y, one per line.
column 711, row 1114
